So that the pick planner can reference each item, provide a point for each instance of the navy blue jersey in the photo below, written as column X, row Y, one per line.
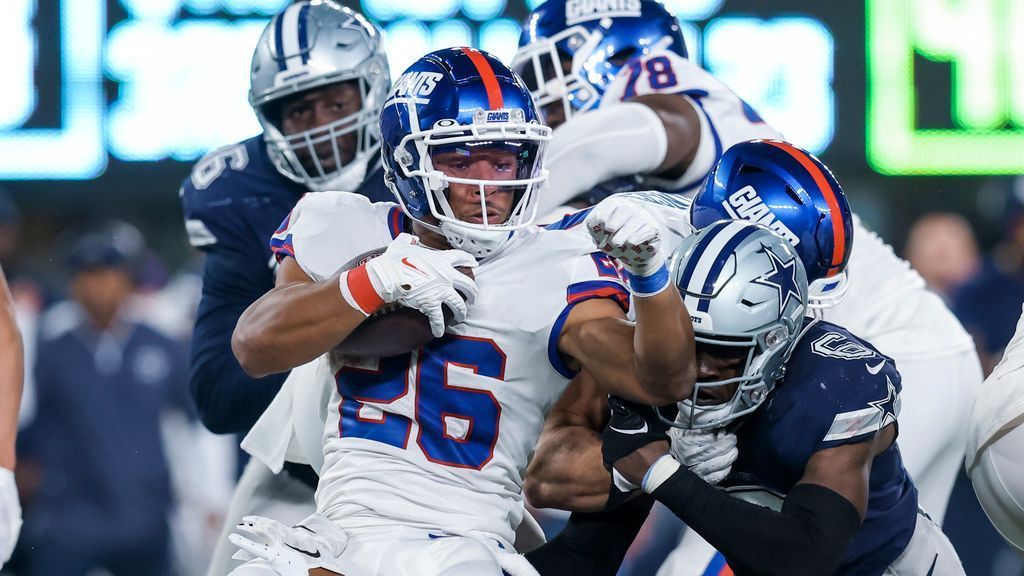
column 233, row 202
column 837, row 390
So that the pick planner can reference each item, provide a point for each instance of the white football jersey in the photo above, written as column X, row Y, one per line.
column 1000, row 401
column 725, row 118
column 440, row 438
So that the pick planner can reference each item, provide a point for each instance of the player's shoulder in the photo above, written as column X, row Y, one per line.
column 660, row 72
column 231, row 171
column 841, row 385
column 340, row 209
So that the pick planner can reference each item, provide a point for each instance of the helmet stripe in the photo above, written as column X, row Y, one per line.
column 303, row 33
column 288, row 42
column 722, row 256
column 278, row 43
column 494, row 97
column 838, row 232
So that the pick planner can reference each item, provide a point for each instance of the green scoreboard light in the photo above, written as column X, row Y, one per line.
column 981, row 42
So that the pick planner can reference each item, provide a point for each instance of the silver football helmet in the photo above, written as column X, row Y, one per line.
column 311, row 44
column 744, row 287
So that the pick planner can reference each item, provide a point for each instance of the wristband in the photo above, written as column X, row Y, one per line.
column 358, row 292
column 660, row 471
column 651, row 284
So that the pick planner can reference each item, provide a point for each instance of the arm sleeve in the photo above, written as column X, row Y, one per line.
column 592, row 544
column 807, row 537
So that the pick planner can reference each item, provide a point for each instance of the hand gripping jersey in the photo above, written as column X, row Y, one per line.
column 440, row 438
column 725, row 119
column 837, row 390
column 233, row 201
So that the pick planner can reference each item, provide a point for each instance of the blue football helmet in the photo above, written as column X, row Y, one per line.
column 463, row 101
column 746, row 291
column 789, row 190
column 598, row 38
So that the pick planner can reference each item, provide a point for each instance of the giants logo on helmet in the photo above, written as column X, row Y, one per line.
column 747, row 205
column 577, row 11
column 416, row 84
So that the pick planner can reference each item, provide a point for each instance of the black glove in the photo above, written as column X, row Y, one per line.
column 631, row 427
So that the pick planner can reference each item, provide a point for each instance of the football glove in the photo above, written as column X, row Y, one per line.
column 293, row 551
column 707, row 453
column 628, row 232
column 412, row 275
column 10, row 514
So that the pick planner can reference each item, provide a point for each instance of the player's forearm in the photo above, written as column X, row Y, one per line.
column 291, row 325
column 807, row 537
column 664, row 347
column 620, row 140
column 12, row 375
column 682, row 128
column 566, row 471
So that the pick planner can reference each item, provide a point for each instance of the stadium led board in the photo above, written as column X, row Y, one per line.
column 983, row 110
column 94, row 82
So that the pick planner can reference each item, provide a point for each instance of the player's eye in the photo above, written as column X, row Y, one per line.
column 503, row 167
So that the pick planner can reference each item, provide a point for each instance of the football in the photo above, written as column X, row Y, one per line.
column 394, row 329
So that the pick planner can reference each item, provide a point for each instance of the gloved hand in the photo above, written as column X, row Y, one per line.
column 292, row 551
column 707, row 453
column 625, row 230
column 631, row 427
column 10, row 515
column 415, row 276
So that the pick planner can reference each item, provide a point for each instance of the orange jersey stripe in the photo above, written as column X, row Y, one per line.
column 839, row 245
column 494, row 99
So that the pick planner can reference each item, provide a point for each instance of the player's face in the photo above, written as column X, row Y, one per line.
column 101, row 292
column 553, row 112
column 483, row 164
column 318, row 107
column 718, row 363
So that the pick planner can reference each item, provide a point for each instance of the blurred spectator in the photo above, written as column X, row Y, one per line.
column 103, row 381
column 942, row 248
column 982, row 304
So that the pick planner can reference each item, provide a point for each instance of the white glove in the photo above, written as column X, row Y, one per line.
column 625, row 230
column 418, row 277
column 707, row 453
column 10, row 515
column 313, row 543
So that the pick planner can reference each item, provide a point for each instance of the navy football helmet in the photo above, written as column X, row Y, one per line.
column 463, row 101
column 789, row 190
column 746, row 291
column 598, row 38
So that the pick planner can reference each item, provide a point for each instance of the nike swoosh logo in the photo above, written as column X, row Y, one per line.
column 876, row 369
column 636, row 431
column 306, row 552
column 932, row 568
column 413, row 266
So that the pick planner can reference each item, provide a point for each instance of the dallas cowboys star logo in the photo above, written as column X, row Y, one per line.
column 782, row 278
column 888, row 406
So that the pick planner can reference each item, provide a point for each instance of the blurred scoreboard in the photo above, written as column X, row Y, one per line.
column 90, row 83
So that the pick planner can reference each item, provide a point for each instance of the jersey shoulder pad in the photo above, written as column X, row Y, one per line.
column 848, row 390
column 326, row 229
column 213, row 193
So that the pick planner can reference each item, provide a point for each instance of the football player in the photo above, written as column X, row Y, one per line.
column 12, row 376
column 318, row 79
column 813, row 409
column 996, row 441
column 617, row 77
column 424, row 451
